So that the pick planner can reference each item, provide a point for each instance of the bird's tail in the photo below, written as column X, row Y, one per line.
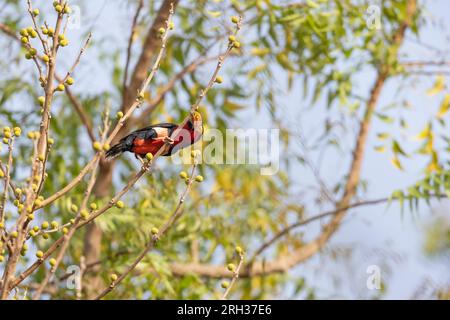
column 116, row 150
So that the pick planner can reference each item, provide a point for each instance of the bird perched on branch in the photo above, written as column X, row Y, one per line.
column 154, row 137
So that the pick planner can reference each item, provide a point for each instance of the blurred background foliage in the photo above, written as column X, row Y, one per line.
column 319, row 48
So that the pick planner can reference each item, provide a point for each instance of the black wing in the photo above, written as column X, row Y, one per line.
column 147, row 133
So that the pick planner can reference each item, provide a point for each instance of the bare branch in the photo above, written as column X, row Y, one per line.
column 11, row 183
column 77, row 60
column 8, row 31
column 33, row 18
column 7, row 173
column 71, row 184
column 429, row 73
column 421, row 64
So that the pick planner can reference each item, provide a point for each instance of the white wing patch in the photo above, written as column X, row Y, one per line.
column 161, row 132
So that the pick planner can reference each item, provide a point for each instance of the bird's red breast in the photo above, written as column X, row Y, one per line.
column 144, row 146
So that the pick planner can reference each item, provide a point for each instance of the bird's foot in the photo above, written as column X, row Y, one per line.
column 169, row 140
column 140, row 159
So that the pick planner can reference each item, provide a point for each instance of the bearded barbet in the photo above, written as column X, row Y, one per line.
column 154, row 137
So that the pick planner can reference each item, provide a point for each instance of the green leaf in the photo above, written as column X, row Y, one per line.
column 385, row 118
column 414, row 191
column 397, row 149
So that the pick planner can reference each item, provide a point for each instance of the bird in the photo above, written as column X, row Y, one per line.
column 150, row 139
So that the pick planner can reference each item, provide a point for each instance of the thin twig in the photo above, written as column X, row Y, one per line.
column 429, row 73
column 7, row 179
column 8, row 31
column 11, row 247
column 33, row 18
column 77, row 60
column 11, row 183
column 38, row 66
column 71, row 184
column 235, row 276
column 421, row 64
